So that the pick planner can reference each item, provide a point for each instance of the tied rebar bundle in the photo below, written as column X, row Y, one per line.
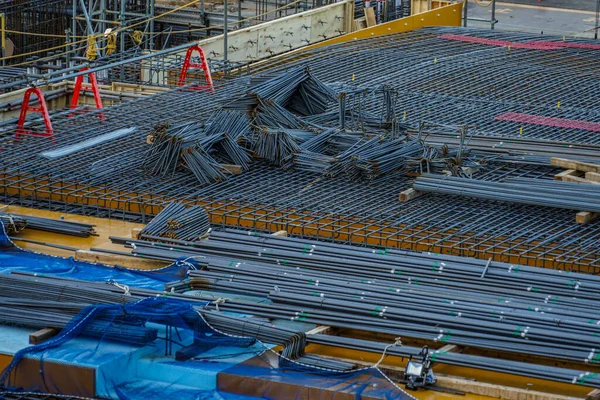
column 39, row 314
column 205, row 168
column 275, row 145
column 200, row 149
column 269, row 113
column 177, row 221
column 549, row 193
column 163, row 157
column 296, row 90
column 234, row 123
column 12, row 224
column 15, row 223
column 443, row 298
column 312, row 97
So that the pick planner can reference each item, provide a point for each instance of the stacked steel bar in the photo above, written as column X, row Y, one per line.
column 47, row 224
column 39, row 314
column 548, row 193
column 177, row 221
column 434, row 297
column 28, row 289
column 248, row 327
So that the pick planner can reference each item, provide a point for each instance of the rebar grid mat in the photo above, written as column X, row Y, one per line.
column 446, row 81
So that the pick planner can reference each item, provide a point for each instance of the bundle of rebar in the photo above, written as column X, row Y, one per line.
column 439, row 298
column 60, row 226
column 275, row 145
column 39, row 314
column 163, row 157
column 269, row 113
column 24, row 288
column 176, row 221
column 548, row 193
column 234, row 123
column 255, row 327
column 205, row 168
column 12, row 224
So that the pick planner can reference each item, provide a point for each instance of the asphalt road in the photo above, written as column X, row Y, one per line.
column 584, row 5
column 538, row 18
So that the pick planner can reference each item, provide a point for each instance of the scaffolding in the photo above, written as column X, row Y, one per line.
column 35, row 25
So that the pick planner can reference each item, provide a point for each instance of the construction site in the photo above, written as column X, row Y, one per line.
column 299, row 199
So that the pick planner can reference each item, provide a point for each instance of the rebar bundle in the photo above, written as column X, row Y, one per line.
column 379, row 294
column 15, row 223
column 275, row 145
column 548, row 193
column 205, row 168
column 177, row 221
column 39, row 314
column 12, row 223
column 441, row 298
column 163, row 157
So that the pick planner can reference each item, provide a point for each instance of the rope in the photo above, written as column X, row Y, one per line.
column 137, row 36
column 134, row 33
column 375, row 367
column 220, row 300
column 92, row 49
column 124, row 288
column 111, row 43
column 397, row 342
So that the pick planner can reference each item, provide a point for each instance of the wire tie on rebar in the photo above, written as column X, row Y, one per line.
column 124, row 288
column 220, row 300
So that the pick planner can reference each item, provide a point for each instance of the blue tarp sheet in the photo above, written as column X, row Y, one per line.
column 13, row 258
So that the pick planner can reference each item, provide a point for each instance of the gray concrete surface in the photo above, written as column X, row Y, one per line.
column 536, row 18
column 583, row 5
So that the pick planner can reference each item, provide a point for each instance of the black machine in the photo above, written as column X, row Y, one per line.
column 418, row 372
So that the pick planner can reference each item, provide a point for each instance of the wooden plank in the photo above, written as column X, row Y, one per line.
column 576, row 179
column 466, row 385
column 135, row 232
column 408, row 195
column 42, row 335
column 112, row 259
column 370, row 17
column 573, row 164
column 280, row 233
column 323, row 329
column 233, row 168
column 494, row 390
column 593, row 395
column 569, row 172
column 448, row 348
column 592, row 176
column 3, row 208
column 418, row 6
column 360, row 23
column 583, row 217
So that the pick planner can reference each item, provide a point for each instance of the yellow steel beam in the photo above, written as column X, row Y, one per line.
column 450, row 15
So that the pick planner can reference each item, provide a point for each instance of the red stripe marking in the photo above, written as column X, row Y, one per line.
column 549, row 121
column 570, row 44
column 502, row 43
